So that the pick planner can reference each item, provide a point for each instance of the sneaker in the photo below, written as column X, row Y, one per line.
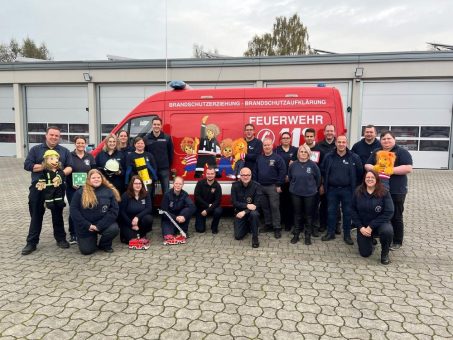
column 395, row 246
column 277, row 233
column 180, row 239
column 63, row 244
column 73, row 239
column 169, row 240
column 328, row 237
column 28, row 249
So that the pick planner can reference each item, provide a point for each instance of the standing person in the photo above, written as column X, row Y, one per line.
column 94, row 210
column 111, row 162
column 304, row 178
column 33, row 163
column 254, row 147
column 246, row 197
column 143, row 164
column 160, row 146
column 270, row 172
column 342, row 171
column 208, row 194
column 325, row 146
column 289, row 154
column 315, row 156
column 372, row 209
column 177, row 203
column 82, row 162
column 136, row 211
column 365, row 147
column 397, row 182
column 123, row 143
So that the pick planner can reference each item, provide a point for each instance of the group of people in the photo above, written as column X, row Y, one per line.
column 308, row 190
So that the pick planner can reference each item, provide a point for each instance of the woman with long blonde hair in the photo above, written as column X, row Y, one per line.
column 94, row 210
column 112, row 162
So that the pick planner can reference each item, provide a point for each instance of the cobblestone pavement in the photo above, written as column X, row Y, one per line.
column 217, row 288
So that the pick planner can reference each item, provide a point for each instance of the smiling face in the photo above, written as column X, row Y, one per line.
column 246, row 176
column 267, row 147
column 111, row 143
column 370, row 180
column 52, row 137
column 122, row 137
column 157, row 126
column 285, row 139
column 95, row 180
column 140, row 145
column 210, row 174
column 249, row 132
column 329, row 133
column 309, row 138
column 370, row 134
column 80, row 144
column 341, row 144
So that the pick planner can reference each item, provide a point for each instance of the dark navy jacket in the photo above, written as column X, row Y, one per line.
column 36, row 155
column 206, row 194
column 161, row 147
column 290, row 155
column 84, row 164
column 242, row 195
column 177, row 205
column 102, row 215
column 368, row 210
column 131, row 166
column 325, row 148
column 254, row 149
column 355, row 168
column 270, row 170
column 398, row 183
column 364, row 150
column 130, row 208
column 304, row 178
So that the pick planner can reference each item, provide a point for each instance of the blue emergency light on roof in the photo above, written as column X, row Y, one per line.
column 177, row 85
column 321, row 85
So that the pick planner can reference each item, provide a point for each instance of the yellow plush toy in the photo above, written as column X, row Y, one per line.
column 51, row 180
column 385, row 161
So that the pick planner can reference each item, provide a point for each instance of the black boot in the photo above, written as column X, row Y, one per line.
column 295, row 238
column 315, row 231
column 307, row 237
column 385, row 260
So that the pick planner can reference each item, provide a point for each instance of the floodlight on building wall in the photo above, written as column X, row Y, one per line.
column 359, row 72
column 87, row 77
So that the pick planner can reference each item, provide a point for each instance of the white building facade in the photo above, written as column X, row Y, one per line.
column 410, row 93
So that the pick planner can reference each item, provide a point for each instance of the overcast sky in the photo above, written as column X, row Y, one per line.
column 91, row 29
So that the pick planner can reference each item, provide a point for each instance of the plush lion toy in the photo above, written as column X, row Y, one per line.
column 51, row 180
column 385, row 161
column 239, row 150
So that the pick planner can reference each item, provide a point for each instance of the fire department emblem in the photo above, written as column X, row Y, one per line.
column 104, row 208
column 378, row 209
column 249, row 200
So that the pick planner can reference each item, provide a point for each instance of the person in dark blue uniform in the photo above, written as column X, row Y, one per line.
column 82, row 162
column 289, row 154
column 365, row 147
column 161, row 147
column 397, row 182
column 33, row 163
column 304, row 179
column 342, row 171
column 110, row 152
column 246, row 198
column 94, row 210
column 136, row 211
column 372, row 209
column 254, row 147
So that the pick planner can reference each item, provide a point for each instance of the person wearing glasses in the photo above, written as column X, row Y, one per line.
column 254, row 147
column 246, row 197
column 289, row 154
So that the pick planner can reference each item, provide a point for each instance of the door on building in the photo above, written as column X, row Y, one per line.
column 418, row 112
column 7, row 122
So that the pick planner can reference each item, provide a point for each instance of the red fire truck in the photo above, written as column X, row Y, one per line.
column 226, row 111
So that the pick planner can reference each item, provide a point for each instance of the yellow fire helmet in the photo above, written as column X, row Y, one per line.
column 50, row 153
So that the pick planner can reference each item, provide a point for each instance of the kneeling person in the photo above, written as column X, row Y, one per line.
column 136, row 211
column 94, row 210
column 246, row 195
column 177, row 203
column 208, row 193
